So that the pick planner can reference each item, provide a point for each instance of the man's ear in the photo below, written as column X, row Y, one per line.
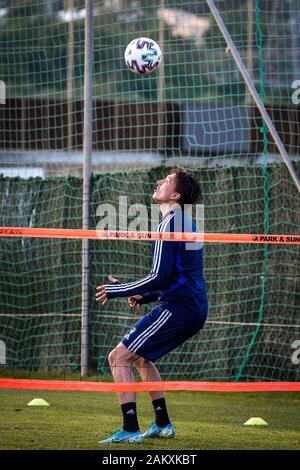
column 176, row 196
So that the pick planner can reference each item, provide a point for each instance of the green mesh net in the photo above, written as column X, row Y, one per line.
column 253, row 290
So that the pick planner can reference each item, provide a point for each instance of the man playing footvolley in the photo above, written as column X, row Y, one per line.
column 176, row 281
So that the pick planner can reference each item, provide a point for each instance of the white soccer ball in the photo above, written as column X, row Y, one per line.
column 143, row 56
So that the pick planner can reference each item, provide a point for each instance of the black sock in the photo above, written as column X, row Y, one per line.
column 130, row 422
column 161, row 414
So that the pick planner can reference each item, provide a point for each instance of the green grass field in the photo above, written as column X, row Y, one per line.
column 78, row 420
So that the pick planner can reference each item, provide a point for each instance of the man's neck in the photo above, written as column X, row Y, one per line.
column 166, row 207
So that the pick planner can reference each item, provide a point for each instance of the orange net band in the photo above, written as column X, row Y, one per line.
column 26, row 384
column 151, row 236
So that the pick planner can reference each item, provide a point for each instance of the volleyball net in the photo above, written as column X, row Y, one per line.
column 197, row 112
column 253, row 283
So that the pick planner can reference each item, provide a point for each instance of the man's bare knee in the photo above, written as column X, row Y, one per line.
column 120, row 355
column 112, row 358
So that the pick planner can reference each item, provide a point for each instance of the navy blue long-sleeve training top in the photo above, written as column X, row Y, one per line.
column 176, row 277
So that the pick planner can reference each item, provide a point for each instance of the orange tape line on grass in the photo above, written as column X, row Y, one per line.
column 26, row 384
column 144, row 236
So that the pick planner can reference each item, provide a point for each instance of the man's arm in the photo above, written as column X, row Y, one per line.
column 136, row 301
column 149, row 297
column 156, row 280
column 162, row 264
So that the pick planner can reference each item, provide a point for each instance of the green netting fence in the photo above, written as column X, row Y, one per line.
column 253, row 292
column 197, row 104
column 195, row 111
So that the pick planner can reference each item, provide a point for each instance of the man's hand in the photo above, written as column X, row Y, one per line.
column 101, row 295
column 133, row 301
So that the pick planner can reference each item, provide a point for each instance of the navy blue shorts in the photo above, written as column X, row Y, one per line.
column 157, row 333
